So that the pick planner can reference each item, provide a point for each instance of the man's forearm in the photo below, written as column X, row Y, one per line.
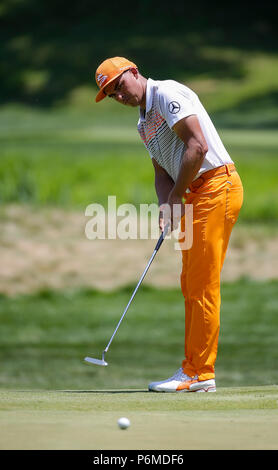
column 163, row 185
column 190, row 165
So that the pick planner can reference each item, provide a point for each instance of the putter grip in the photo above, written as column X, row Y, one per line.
column 161, row 238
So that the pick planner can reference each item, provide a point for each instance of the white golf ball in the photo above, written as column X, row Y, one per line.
column 123, row 423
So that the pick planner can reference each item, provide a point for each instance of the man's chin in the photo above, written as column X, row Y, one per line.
column 133, row 103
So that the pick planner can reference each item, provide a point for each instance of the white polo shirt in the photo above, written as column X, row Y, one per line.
column 167, row 102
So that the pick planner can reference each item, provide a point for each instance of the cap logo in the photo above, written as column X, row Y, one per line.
column 101, row 78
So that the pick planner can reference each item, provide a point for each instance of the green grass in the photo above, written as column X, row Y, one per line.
column 71, row 159
column 75, row 158
column 246, row 101
column 79, row 152
column 234, row 418
column 45, row 337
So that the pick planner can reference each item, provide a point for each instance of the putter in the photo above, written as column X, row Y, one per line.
column 102, row 362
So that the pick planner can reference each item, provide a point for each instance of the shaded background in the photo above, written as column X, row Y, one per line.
column 48, row 48
column 59, row 152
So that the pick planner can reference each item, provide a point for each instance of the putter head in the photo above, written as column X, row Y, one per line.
column 98, row 362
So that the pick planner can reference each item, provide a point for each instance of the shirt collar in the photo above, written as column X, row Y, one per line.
column 149, row 94
column 149, row 98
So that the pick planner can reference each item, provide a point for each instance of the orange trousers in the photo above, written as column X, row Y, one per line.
column 216, row 197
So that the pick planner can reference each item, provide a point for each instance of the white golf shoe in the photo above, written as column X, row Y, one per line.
column 181, row 382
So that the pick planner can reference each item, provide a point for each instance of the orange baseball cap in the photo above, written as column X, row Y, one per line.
column 108, row 71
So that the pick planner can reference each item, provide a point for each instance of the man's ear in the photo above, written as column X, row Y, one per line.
column 135, row 72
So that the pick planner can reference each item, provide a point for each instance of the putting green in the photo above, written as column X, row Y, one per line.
column 234, row 418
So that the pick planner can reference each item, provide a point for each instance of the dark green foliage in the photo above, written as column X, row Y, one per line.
column 49, row 48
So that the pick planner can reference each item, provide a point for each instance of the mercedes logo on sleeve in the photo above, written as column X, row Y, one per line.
column 174, row 107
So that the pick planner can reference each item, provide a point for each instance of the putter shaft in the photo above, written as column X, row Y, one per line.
column 102, row 362
column 158, row 245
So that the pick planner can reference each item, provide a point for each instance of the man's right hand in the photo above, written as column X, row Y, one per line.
column 161, row 221
column 165, row 217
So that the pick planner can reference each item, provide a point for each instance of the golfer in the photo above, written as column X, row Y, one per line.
column 191, row 166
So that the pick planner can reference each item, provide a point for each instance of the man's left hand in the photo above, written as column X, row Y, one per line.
column 176, row 210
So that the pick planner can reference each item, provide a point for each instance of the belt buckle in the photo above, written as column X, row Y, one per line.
column 202, row 180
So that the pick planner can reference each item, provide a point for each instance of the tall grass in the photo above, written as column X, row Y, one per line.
column 72, row 159
column 79, row 152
